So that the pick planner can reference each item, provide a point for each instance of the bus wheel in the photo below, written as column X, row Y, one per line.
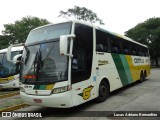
column 145, row 75
column 103, row 91
column 142, row 77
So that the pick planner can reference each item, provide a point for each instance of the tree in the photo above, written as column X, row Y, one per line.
column 4, row 41
column 18, row 32
column 81, row 13
column 148, row 33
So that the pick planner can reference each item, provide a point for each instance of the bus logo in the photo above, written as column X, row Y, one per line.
column 102, row 62
column 86, row 93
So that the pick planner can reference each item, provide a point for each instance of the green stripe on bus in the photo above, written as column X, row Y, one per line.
column 120, row 68
column 126, row 68
column 36, row 87
column 43, row 87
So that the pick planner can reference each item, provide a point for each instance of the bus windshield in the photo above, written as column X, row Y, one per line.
column 7, row 68
column 48, row 33
column 41, row 59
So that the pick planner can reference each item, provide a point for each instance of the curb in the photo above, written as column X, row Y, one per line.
column 9, row 95
column 16, row 107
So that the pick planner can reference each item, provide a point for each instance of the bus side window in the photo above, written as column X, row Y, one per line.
column 99, row 47
column 139, row 50
column 133, row 48
column 125, row 47
column 102, row 43
column 146, row 52
column 115, row 45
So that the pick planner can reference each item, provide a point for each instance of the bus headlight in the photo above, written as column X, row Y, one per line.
column 61, row 89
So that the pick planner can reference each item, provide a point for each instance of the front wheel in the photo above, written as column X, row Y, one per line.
column 103, row 91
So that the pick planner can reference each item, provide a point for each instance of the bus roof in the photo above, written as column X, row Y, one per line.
column 19, row 48
column 123, row 37
column 92, row 25
column 74, row 21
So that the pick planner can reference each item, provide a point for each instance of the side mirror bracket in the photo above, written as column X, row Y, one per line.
column 16, row 57
column 64, row 39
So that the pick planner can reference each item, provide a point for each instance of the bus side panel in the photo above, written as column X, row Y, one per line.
column 138, row 64
column 134, row 69
column 107, row 69
column 122, row 68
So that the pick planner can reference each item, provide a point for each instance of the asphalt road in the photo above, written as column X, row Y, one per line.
column 136, row 97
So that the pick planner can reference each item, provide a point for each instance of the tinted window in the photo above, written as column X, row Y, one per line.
column 125, row 47
column 82, row 53
column 102, row 41
column 133, row 48
column 8, row 68
column 115, row 45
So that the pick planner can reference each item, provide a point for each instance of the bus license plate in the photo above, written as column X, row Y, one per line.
column 37, row 100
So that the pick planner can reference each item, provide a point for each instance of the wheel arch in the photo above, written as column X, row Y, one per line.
column 106, row 80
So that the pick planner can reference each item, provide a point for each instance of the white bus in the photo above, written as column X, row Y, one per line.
column 9, row 72
column 67, row 64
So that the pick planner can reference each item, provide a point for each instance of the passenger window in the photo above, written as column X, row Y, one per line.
column 115, row 45
column 146, row 52
column 125, row 47
column 102, row 44
column 139, row 50
column 133, row 48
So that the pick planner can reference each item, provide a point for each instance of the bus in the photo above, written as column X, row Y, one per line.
column 9, row 72
column 67, row 64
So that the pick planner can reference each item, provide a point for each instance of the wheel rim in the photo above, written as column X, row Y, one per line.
column 103, row 91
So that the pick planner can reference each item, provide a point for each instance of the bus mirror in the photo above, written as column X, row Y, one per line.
column 64, row 41
column 16, row 58
column 9, row 51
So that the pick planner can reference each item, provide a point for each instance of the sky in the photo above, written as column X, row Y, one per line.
column 118, row 15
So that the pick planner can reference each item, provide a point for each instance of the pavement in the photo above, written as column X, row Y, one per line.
column 136, row 97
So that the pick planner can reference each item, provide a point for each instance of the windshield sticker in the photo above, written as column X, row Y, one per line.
column 86, row 93
column 94, row 78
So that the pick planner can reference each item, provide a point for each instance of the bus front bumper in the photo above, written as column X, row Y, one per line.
column 60, row 100
column 11, row 84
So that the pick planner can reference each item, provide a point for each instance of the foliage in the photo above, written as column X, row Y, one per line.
column 148, row 33
column 81, row 13
column 4, row 41
column 18, row 31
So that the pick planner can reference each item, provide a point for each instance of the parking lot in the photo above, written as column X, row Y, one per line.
column 136, row 97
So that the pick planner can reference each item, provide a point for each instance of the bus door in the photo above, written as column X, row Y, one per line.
column 82, row 84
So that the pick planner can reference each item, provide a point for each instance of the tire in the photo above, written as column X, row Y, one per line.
column 142, row 77
column 145, row 75
column 103, row 91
